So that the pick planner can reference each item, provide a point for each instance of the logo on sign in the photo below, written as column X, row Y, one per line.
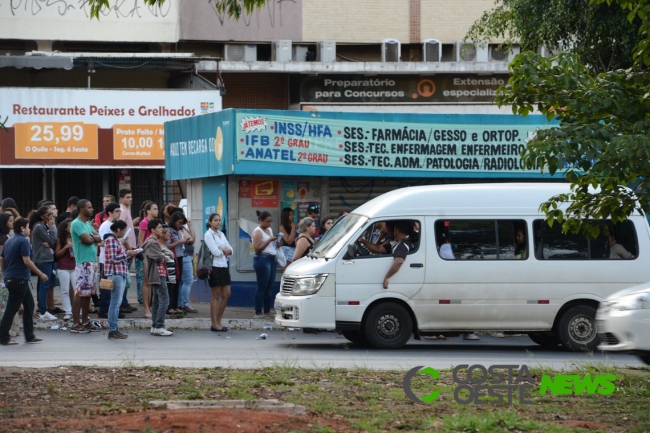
column 207, row 107
column 253, row 124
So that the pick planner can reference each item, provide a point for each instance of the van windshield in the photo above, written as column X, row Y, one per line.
column 338, row 236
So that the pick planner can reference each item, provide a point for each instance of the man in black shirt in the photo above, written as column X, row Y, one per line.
column 404, row 245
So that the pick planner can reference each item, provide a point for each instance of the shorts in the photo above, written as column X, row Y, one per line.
column 219, row 277
column 87, row 279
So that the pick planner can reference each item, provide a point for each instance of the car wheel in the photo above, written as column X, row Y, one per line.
column 354, row 336
column 545, row 339
column 387, row 326
column 577, row 329
column 645, row 357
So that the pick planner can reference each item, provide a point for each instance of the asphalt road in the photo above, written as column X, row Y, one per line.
column 243, row 349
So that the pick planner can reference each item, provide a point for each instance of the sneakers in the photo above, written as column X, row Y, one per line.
column 90, row 326
column 67, row 317
column 47, row 316
column 79, row 329
column 162, row 332
column 34, row 340
column 117, row 335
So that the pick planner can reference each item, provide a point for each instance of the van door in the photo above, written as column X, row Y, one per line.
column 359, row 280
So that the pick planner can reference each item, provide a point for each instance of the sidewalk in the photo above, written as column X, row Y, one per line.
column 234, row 317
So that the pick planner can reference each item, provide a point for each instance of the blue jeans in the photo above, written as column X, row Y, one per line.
column 265, row 268
column 43, row 287
column 125, row 302
column 159, row 304
column 186, row 280
column 119, row 282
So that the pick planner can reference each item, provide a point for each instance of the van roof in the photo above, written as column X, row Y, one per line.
column 463, row 199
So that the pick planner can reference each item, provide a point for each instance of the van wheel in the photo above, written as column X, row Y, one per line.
column 387, row 326
column 544, row 339
column 645, row 357
column 354, row 336
column 577, row 329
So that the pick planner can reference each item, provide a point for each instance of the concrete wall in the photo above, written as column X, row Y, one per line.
column 127, row 21
column 276, row 20
column 358, row 21
column 449, row 21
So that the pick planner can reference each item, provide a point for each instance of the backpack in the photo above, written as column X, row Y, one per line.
column 204, row 262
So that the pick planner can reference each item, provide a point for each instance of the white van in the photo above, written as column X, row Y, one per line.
column 548, row 287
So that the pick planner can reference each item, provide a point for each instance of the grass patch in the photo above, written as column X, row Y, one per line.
column 366, row 400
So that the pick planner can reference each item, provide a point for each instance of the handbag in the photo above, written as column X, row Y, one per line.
column 280, row 258
column 106, row 284
column 204, row 262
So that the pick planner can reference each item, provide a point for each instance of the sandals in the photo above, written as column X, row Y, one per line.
column 435, row 337
column 9, row 343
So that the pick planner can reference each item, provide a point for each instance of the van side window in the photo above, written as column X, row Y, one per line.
column 552, row 244
column 482, row 239
column 378, row 239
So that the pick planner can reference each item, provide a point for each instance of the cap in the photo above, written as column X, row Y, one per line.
column 313, row 208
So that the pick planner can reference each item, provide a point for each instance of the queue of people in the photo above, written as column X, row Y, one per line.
column 78, row 248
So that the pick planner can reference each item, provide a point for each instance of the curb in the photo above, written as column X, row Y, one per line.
column 185, row 323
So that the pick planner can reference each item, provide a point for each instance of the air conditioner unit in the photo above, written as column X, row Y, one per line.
column 240, row 53
column 299, row 53
column 281, row 50
column 431, row 50
column 391, row 50
column 464, row 52
column 502, row 54
column 326, row 51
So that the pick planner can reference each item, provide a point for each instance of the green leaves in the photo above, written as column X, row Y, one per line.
column 233, row 8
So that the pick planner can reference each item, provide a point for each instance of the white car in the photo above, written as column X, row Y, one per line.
column 623, row 322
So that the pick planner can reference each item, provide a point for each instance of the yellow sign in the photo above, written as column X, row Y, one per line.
column 56, row 140
column 138, row 142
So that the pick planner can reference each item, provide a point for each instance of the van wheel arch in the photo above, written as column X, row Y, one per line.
column 399, row 302
column 574, row 303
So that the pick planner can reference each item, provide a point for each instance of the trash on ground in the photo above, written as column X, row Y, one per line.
column 262, row 337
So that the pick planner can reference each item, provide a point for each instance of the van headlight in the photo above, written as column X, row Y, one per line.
column 638, row 301
column 308, row 285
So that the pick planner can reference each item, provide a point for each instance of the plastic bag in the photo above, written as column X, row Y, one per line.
column 280, row 258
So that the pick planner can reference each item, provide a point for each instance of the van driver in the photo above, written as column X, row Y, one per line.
column 400, row 251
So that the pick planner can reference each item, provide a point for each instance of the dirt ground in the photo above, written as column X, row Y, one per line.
column 178, row 420
column 77, row 399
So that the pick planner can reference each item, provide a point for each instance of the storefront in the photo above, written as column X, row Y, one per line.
column 56, row 143
column 241, row 161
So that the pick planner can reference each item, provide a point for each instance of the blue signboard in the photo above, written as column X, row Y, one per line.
column 350, row 144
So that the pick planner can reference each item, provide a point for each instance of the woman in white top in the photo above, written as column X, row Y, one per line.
column 266, row 248
column 218, row 245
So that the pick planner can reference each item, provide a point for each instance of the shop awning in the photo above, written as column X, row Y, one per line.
column 36, row 62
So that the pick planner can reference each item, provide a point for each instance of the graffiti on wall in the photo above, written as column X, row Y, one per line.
column 80, row 8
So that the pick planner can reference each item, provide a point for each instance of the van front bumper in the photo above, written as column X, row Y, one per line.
column 310, row 311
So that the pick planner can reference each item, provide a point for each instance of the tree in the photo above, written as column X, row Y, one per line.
column 232, row 7
column 602, row 141
column 600, row 34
